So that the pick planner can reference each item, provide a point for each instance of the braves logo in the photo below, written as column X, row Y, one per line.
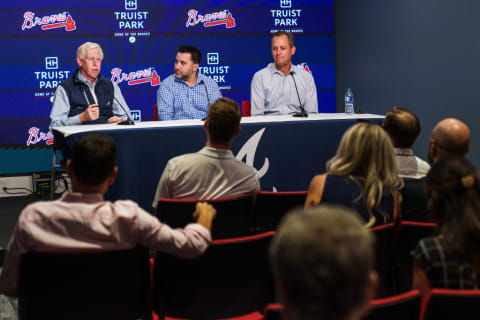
column 133, row 78
column 302, row 65
column 248, row 151
column 35, row 136
column 211, row 19
column 60, row 20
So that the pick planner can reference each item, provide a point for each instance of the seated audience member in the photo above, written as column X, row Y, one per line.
column 362, row 175
column 449, row 137
column 8, row 308
column 82, row 221
column 213, row 172
column 323, row 264
column 403, row 128
column 451, row 259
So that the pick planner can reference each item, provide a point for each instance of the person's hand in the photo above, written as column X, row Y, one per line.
column 203, row 209
column 91, row 113
column 115, row 119
column 204, row 214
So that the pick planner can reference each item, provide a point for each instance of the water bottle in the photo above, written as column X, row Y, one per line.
column 349, row 101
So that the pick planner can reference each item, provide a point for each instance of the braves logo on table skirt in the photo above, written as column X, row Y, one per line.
column 249, row 149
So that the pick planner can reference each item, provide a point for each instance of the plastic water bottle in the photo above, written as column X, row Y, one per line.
column 349, row 101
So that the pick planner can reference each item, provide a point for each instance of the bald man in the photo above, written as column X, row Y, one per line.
column 449, row 137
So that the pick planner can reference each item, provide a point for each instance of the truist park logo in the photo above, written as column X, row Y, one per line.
column 216, row 71
column 49, row 77
column 131, row 22
column 286, row 18
column 54, row 21
column 220, row 18
column 136, row 77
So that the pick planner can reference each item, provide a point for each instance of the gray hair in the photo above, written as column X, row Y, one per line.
column 322, row 257
column 82, row 50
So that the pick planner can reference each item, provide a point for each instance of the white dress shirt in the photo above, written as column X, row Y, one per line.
column 410, row 166
column 272, row 92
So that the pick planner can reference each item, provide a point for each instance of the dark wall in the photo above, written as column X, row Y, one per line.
column 422, row 55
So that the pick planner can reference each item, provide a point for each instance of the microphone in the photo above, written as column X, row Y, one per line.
column 206, row 91
column 302, row 112
column 129, row 121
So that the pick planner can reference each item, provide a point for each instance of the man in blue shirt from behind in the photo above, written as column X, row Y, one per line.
column 186, row 94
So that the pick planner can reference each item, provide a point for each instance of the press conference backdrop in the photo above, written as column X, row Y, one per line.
column 140, row 39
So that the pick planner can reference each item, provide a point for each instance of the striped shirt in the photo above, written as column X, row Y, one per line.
column 176, row 100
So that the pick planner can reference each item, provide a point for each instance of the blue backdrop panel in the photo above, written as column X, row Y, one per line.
column 39, row 42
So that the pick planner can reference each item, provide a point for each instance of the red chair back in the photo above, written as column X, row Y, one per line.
column 273, row 311
column 234, row 214
column 155, row 113
column 98, row 286
column 384, row 250
column 232, row 278
column 246, row 106
column 409, row 233
column 450, row 304
column 399, row 307
column 270, row 207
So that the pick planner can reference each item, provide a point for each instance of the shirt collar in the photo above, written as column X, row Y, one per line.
column 273, row 69
column 181, row 81
column 403, row 151
column 82, row 197
column 217, row 153
column 82, row 79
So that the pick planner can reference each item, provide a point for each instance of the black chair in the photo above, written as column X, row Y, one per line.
column 270, row 207
column 3, row 252
column 106, row 285
column 409, row 233
column 451, row 304
column 414, row 201
column 404, row 306
column 231, row 279
column 273, row 311
column 234, row 215
column 384, row 250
